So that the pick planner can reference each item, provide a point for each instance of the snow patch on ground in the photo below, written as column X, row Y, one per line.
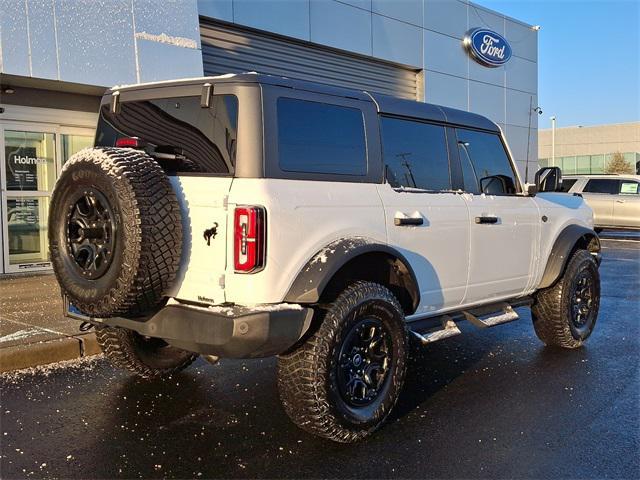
column 20, row 335
column 78, row 364
column 168, row 39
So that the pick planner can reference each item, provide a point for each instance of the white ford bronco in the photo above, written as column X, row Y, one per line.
column 246, row 216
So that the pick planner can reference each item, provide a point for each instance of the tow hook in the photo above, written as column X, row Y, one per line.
column 212, row 359
column 86, row 326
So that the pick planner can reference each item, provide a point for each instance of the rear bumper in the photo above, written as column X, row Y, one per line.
column 228, row 332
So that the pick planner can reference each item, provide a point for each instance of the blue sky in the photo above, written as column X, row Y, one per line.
column 589, row 58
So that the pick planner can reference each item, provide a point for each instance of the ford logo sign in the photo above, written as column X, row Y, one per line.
column 487, row 47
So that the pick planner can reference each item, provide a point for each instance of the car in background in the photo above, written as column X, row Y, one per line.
column 614, row 199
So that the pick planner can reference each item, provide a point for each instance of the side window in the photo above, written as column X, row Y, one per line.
column 602, row 185
column 415, row 154
column 629, row 187
column 485, row 163
column 567, row 183
column 316, row 137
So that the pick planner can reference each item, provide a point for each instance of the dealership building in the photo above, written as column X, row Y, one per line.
column 57, row 57
column 584, row 150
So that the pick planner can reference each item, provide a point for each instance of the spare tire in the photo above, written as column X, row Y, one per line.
column 115, row 232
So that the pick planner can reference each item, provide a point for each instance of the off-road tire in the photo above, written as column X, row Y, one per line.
column 306, row 376
column 551, row 312
column 147, row 239
column 147, row 358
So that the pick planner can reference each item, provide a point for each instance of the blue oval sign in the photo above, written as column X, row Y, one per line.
column 487, row 47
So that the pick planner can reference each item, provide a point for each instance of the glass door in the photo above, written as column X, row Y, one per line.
column 31, row 160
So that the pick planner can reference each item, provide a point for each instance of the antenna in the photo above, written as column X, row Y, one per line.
column 538, row 110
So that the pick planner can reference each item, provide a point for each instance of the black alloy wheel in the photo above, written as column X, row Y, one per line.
column 582, row 296
column 363, row 362
column 90, row 233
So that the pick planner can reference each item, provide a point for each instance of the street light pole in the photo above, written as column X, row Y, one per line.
column 553, row 141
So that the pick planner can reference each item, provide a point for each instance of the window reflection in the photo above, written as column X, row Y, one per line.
column 29, row 161
column 27, row 228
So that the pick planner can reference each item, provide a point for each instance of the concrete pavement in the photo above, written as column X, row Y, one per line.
column 489, row 403
column 33, row 329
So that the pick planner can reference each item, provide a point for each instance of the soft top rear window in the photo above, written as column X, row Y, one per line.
column 178, row 132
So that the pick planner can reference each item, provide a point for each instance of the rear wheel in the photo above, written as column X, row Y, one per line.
column 342, row 383
column 565, row 314
column 145, row 356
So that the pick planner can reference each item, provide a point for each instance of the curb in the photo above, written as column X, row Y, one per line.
column 41, row 353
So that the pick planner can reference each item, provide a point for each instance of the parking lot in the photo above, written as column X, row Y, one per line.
column 485, row 404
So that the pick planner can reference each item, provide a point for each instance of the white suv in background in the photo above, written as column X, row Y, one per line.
column 247, row 216
column 614, row 199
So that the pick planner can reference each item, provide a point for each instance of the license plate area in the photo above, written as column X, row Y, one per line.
column 70, row 310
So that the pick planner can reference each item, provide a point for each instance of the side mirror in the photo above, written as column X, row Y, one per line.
column 549, row 179
column 497, row 185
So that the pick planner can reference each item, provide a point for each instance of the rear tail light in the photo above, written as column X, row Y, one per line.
column 249, row 232
column 129, row 142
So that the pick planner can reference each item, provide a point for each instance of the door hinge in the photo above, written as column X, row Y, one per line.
column 221, row 281
column 225, row 202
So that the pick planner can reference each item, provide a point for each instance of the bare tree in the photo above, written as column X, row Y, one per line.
column 618, row 164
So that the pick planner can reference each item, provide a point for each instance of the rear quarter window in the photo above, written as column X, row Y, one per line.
column 315, row 137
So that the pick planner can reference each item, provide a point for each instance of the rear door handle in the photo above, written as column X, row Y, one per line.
column 489, row 220
column 408, row 221
column 619, row 201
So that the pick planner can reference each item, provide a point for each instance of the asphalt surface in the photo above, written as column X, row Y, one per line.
column 485, row 404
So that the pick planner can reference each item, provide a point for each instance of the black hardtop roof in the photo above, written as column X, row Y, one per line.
column 385, row 104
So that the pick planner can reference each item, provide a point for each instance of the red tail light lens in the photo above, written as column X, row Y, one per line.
column 249, row 239
column 129, row 142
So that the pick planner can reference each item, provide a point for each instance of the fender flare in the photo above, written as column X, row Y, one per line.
column 321, row 268
column 562, row 248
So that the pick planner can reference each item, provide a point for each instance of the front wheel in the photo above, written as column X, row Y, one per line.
column 565, row 314
column 342, row 383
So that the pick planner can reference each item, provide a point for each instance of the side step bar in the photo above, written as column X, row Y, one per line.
column 505, row 315
column 433, row 329
column 449, row 329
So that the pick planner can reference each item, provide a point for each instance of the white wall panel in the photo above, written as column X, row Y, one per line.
column 96, row 42
column 366, row 4
column 518, row 108
column 444, row 54
column 446, row 16
column 522, row 75
column 44, row 60
column 494, row 75
column 446, row 90
column 517, row 137
column 409, row 11
column 479, row 17
column 220, row 9
column 170, row 17
column 523, row 40
column 341, row 26
column 396, row 41
column 14, row 38
column 182, row 60
column 285, row 17
column 487, row 100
